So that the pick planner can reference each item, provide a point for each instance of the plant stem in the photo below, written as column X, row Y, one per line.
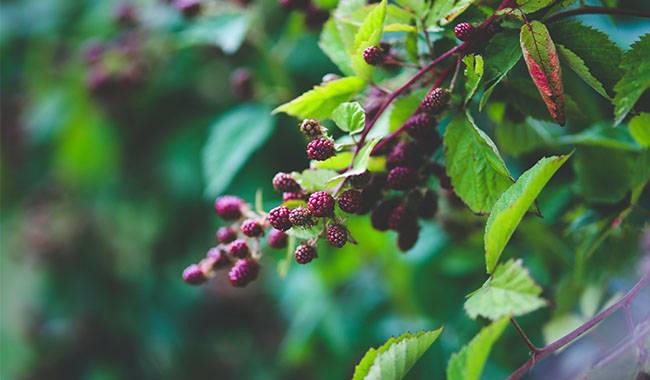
column 523, row 335
column 598, row 10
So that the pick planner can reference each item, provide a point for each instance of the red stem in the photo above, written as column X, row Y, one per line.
column 598, row 10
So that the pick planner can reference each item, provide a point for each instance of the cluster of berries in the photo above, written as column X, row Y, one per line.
column 315, row 16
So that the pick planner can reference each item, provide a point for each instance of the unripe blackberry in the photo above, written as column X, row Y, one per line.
column 193, row 275
column 301, row 217
column 238, row 248
column 401, row 218
column 305, row 253
column 279, row 218
column 402, row 178
column 381, row 213
column 320, row 149
column 283, row 182
column 252, row 228
column 243, row 272
column 286, row 197
column 419, row 125
column 277, row 239
column 435, row 100
column 219, row 257
column 311, row 128
column 407, row 238
column 226, row 235
column 321, row 204
column 337, row 235
column 402, row 154
column 350, row 201
column 360, row 181
column 373, row 55
column 315, row 16
column 428, row 205
column 229, row 207
column 464, row 31
column 189, row 8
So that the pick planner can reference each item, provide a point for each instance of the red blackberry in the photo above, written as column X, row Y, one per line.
column 402, row 178
column 252, row 228
column 286, row 197
column 311, row 128
column 279, row 218
column 419, row 125
column 464, row 31
column 401, row 218
column 219, row 257
column 193, row 275
column 402, row 154
column 284, row 183
column 238, row 248
column 229, row 207
column 337, row 235
column 321, row 204
column 320, row 149
column 360, row 181
column 243, row 272
column 226, row 234
column 277, row 239
column 381, row 213
column 305, row 253
column 350, row 201
column 435, row 100
column 373, row 55
column 189, row 8
column 407, row 238
column 428, row 205
column 301, row 217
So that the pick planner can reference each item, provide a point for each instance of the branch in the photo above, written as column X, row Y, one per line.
column 525, row 337
column 598, row 10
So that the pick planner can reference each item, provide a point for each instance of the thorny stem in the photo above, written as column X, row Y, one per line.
column 598, row 10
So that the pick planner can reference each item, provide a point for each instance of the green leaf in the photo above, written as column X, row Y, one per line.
column 225, row 30
column 322, row 100
column 501, row 55
column 397, row 27
column 544, row 67
column 513, row 204
column 360, row 163
column 474, row 73
column 404, row 107
column 349, row 117
column 477, row 171
column 368, row 34
column 314, row 179
column 579, row 67
column 530, row 6
column 640, row 129
column 509, row 292
column 394, row 359
column 333, row 46
column 234, row 136
column 522, row 138
column 468, row 363
column 604, row 174
column 636, row 79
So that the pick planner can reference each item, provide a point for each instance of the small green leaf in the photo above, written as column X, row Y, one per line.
column 368, row 34
column 474, row 73
column 225, row 30
column 349, row 117
column 468, row 363
column 579, row 67
column 337, row 162
column 396, row 27
column 530, row 6
column 517, row 139
column 314, row 179
column 636, row 79
column 301, row 233
column 640, row 129
column 501, row 55
column 394, row 359
column 332, row 44
column 513, row 204
column 322, row 100
column 360, row 163
column 509, row 292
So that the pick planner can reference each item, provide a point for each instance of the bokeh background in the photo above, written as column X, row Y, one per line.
column 108, row 176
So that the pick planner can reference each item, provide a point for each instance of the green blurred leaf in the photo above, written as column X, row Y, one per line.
column 604, row 174
column 349, row 117
column 579, row 67
column 474, row 73
column 404, row 107
column 314, row 179
column 640, row 129
column 468, row 363
column 332, row 44
column 636, row 79
column 518, row 139
column 501, row 55
column 530, row 6
column 368, row 34
column 225, row 30
column 361, row 161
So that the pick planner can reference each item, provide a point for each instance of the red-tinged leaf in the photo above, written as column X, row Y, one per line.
column 544, row 67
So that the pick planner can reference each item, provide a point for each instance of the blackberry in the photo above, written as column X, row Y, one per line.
column 350, row 201
column 368, row 199
column 360, row 181
column 419, row 125
column 443, row 178
column 252, row 228
column 321, row 204
column 238, row 248
column 337, row 235
column 219, row 257
column 407, row 238
column 428, row 205
column 193, row 275
column 435, row 100
column 381, row 213
column 373, row 55
column 301, row 217
column 226, row 234
column 311, row 128
column 189, row 8
column 243, row 272
column 464, row 31
column 284, row 183
column 428, row 143
column 402, row 178
column 401, row 218
column 229, row 207
column 320, row 149
column 279, row 218
column 286, row 197
column 305, row 253
column 402, row 154
column 277, row 239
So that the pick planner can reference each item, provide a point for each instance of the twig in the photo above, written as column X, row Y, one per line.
column 523, row 335
column 598, row 10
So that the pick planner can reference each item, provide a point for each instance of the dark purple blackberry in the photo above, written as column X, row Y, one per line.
column 193, row 275
column 402, row 154
column 373, row 55
column 443, row 178
column 226, row 234
column 435, row 100
column 277, row 239
column 229, row 207
column 286, row 197
column 419, row 125
column 401, row 218
column 301, row 217
column 337, row 235
column 427, row 143
column 464, row 31
column 252, row 228
column 402, row 178
column 305, row 253
column 284, row 183
column 279, row 218
column 241, row 83
column 243, row 272
column 428, row 205
column 321, row 204
column 360, row 181
column 407, row 238
column 350, row 201
column 381, row 213
column 320, row 149
column 189, row 8
column 219, row 257
column 368, row 199
column 311, row 128
column 238, row 248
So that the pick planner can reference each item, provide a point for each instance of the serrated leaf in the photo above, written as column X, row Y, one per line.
column 544, row 67
column 360, row 162
column 314, row 179
column 349, row 117
column 636, row 79
column 368, row 34
column 319, row 102
column 234, row 136
column 332, row 44
column 501, row 55
column 477, row 171
column 530, row 6
column 394, row 359
column 468, row 363
column 579, row 67
column 640, row 129
column 508, row 292
column 474, row 73
column 510, row 208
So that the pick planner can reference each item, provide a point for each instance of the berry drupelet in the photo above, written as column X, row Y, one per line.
column 279, row 218
column 435, row 100
column 219, row 257
column 284, row 183
column 402, row 178
column 252, row 228
column 238, row 248
column 305, row 253
column 193, row 275
column 381, row 213
column 277, row 239
column 321, row 204
column 350, row 201
column 229, row 207
column 337, row 235
column 419, row 125
column 464, row 31
column 301, row 217
column 226, row 235
column 286, row 197
column 311, row 128
column 243, row 272
column 402, row 154
column 320, row 149
column 373, row 55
